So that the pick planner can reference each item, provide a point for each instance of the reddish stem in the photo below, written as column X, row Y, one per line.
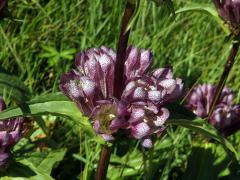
column 118, row 83
column 222, row 81
column 103, row 163
column 121, row 51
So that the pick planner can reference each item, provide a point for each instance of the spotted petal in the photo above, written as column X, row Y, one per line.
column 138, row 61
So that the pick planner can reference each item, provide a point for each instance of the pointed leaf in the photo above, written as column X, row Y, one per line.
column 13, row 87
column 24, row 170
column 55, row 104
column 208, row 9
column 45, row 161
column 202, row 127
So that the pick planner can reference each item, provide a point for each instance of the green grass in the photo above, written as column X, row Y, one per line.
column 39, row 43
column 192, row 43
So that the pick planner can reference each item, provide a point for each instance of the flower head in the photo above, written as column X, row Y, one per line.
column 229, row 10
column 139, row 112
column 11, row 131
column 226, row 115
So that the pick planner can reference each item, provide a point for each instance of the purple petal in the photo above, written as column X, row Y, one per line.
column 154, row 96
column 107, row 137
column 137, row 113
column 139, row 93
column 229, row 10
column 79, row 89
column 3, row 161
column 162, row 117
column 4, row 137
column 96, row 126
column 98, row 65
column 117, row 124
column 137, row 62
column 122, row 108
column 14, row 136
column 147, row 143
column 110, row 52
column 168, row 83
column 88, row 86
column 140, row 130
column 163, row 73
column 2, row 104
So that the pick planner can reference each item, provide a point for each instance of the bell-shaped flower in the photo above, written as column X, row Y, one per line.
column 226, row 119
column 200, row 99
column 229, row 11
column 137, row 62
column 139, row 112
column 11, row 131
column 226, row 115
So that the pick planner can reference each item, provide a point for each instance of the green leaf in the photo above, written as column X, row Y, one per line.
column 55, row 104
column 168, row 3
column 127, row 166
column 180, row 112
column 50, row 161
column 13, row 87
column 45, row 161
column 208, row 9
column 205, row 158
column 24, row 170
column 202, row 127
column 68, row 53
column 50, row 49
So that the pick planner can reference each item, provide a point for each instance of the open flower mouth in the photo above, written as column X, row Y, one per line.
column 105, row 115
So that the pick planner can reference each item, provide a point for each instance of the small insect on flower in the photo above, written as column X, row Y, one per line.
column 11, row 131
column 140, row 111
column 229, row 11
column 226, row 115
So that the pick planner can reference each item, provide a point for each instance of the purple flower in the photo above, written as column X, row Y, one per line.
column 229, row 10
column 139, row 112
column 226, row 115
column 10, row 133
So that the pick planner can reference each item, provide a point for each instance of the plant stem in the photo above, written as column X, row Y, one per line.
column 226, row 71
column 121, row 50
column 103, row 163
column 118, row 83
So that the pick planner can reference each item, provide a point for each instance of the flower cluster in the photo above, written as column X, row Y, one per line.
column 229, row 10
column 226, row 115
column 11, row 131
column 139, row 112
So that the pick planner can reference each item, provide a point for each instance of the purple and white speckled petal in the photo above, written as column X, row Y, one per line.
column 147, row 143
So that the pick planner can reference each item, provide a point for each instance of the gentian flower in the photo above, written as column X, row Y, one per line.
column 229, row 11
column 140, row 111
column 226, row 115
column 11, row 131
